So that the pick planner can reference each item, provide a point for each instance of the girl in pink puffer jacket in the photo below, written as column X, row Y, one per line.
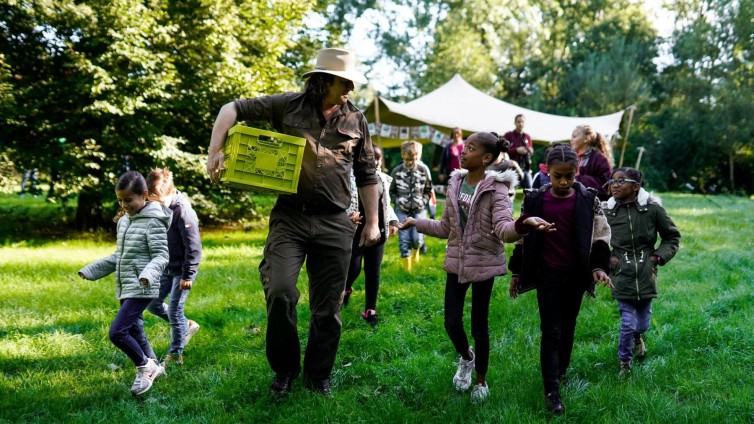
column 476, row 220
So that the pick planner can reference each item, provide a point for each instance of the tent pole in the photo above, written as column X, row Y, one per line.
column 638, row 160
column 631, row 110
column 377, row 117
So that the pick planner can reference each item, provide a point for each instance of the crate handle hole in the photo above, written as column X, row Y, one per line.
column 268, row 141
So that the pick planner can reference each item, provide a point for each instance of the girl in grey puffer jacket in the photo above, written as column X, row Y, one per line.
column 141, row 254
column 476, row 220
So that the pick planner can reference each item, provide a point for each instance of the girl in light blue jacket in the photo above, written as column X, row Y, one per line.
column 141, row 254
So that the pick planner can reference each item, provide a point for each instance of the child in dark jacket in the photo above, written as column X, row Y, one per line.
column 562, row 263
column 636, row 219
column 476, row 220
column 185, row 248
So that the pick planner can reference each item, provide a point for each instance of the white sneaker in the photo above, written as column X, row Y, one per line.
column 193, row 327
column 145, row 376
column 462, row 379
column 479, row 393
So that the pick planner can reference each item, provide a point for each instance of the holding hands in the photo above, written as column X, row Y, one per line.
column 408, row 223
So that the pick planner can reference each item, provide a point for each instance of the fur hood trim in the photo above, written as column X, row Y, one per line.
column 507, row 177
column 642, row 199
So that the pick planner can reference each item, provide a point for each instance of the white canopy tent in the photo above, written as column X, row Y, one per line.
column 458, row 104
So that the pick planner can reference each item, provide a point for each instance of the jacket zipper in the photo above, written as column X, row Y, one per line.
column 633, row 247
column 120, row 258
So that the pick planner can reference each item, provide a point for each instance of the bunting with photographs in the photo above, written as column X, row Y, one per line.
column 423, row 132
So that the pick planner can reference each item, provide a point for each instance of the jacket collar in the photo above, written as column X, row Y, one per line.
column 643, row 198
column 507, row 177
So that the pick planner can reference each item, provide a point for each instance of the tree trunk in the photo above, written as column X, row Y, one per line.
column 89, row 212
column 731, row 168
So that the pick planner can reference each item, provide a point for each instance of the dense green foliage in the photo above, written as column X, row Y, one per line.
column 95, row 86
column 594, row 57
column 89, row 87
column 57, row 364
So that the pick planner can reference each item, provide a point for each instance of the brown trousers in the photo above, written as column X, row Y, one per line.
column 324, row 242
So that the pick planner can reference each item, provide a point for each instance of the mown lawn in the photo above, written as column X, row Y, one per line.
column 57, row 364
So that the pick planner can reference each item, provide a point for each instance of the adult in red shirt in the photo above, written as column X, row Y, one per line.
column 451, row 155
column 521, row 149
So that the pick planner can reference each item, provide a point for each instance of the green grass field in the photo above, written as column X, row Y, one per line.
column 57, row 364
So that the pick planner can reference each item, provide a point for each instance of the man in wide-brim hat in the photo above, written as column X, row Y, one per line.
column 311, row 224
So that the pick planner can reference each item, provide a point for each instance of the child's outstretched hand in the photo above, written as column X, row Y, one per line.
column 539, row 224
column 513, row 290
column 599, row 276
column 408, row 223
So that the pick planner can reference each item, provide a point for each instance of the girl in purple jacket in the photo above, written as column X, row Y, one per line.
column 476, row 220
column 595, row 159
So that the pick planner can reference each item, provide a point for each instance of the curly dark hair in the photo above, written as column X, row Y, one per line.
column 316, row 87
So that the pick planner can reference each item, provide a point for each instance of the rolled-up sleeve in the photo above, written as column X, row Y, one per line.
column 261, row 109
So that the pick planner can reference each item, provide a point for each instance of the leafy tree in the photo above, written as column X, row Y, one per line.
column 706, row 98
column 102, row 84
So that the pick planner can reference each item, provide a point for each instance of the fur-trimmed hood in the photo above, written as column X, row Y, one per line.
column 507, row 177
column 643, row 198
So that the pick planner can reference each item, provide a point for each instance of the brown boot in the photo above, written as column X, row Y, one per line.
column 625, row 370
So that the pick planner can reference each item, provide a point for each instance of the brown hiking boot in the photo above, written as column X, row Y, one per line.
column 640, row 348
column 625, row 370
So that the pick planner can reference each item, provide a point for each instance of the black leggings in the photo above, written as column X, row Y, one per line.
column 455, row 297
column 372, row 258
column 559, row 296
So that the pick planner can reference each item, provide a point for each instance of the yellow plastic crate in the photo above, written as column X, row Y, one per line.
column 262, row 160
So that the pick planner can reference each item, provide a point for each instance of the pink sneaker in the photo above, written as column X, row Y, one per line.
column 370, row 316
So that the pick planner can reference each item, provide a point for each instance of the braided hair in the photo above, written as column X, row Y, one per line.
column 564, row 153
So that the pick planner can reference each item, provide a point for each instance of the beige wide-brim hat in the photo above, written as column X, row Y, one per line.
column 339, row 62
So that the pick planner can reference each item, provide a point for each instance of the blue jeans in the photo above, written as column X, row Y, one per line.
column 635, row 316
column 410, row 238
column 171, row 284
column 127, row 331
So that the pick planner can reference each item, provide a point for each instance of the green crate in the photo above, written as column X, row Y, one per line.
column 262, row 160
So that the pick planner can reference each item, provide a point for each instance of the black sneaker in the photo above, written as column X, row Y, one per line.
column 554, row 403
column 320, row 386
column 282, row 383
